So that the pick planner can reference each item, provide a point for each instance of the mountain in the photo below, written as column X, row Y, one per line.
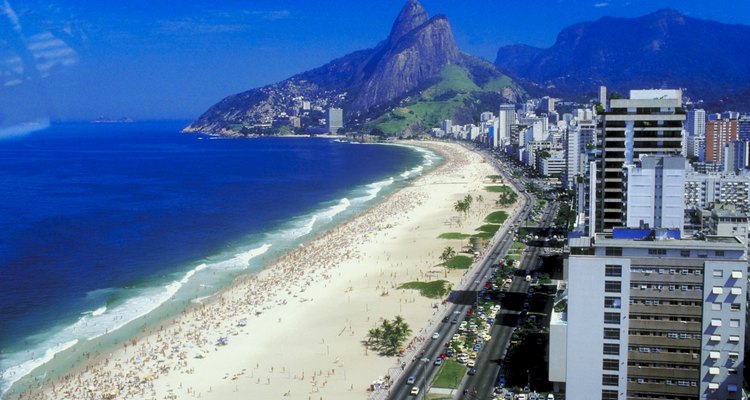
column 658, row 50
column 366, row 83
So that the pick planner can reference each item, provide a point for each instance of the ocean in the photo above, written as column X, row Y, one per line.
column 105, row 228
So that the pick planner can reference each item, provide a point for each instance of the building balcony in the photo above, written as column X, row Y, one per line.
column 660, row 391
column 663, row 341
column 665, row 310
column 664, row 357
column 667, row 326
column 669, row 373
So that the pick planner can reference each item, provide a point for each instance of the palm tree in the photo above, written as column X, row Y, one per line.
column 448, row 253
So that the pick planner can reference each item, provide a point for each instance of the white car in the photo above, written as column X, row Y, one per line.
column 471, row 364
column 435, row 335
column 414, row 391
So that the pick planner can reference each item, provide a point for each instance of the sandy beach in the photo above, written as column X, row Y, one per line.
column 297, row 329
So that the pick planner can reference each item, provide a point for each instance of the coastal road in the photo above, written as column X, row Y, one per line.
column 491, row 359
column 423, row 367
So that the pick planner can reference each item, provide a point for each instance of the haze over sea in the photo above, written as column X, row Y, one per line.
column 101, row 224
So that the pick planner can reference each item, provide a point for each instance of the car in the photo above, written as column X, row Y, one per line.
column 521, row 396
column 449, row 353
column 414, row 391
column 454, row 321
column 411, row 379
column 436, row 335
column 438, row 361
column 550, row 396
column 509, row 395
column 472, row 371
column 445, row 319
column 471, row 364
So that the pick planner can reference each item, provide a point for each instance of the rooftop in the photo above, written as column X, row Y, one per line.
column 706, row 243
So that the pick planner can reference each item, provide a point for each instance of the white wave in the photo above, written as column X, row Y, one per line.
column 240, row 260
column 13, row 374
column 299, row 230
column 337, row 209
column 373, row 189
column 414, row 171
column 99, row 311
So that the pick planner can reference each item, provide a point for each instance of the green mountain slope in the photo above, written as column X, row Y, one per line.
column 460, row 93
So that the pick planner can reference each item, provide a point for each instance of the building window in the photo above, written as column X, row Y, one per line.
column 613, row 270
column 610, row 365
column 611, row 349
column 733, row 323
column 718, row 273
column 611, row 318
column 735, row 307
column 610, row 380
column 612, row 333
column 609, row 395
column 684, row 253
column 715, row 306
column 612, row 286
column 719, row 253
column 657, row 252
column 612, row 302
column 613, row 251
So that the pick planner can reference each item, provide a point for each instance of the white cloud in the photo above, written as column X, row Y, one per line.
column 602, row 4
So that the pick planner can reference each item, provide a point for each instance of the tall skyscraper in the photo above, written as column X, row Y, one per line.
column 696, row 122
column 648, row 123
column 719, row 132
column 506, row 118
column 335, row 119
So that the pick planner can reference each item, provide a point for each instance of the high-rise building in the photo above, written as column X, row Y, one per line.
column 719, row 132
column 705, row 189
column 651, row 316
column 547, row 105
column 654, row 192
column 578, row 139
column 648, row 123
column 696, row 122
column 506, row 118
column 736, row 156
column 743, row 129
column 448, row 127
column 335, row 119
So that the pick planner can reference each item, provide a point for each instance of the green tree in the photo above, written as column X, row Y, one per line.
column 448, row 253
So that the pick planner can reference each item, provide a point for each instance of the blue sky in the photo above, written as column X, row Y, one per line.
column 156, row 59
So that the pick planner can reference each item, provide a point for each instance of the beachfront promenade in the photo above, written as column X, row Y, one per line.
column 424, row 371
column 308, row 314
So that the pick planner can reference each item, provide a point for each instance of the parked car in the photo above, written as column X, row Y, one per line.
column 410, row 380
column 472, row 371
column 438, row 361
column 436, row 335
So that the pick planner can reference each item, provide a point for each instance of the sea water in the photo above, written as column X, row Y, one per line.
column 105, row 224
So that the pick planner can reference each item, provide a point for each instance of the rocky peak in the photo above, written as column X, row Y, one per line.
column 411, row 16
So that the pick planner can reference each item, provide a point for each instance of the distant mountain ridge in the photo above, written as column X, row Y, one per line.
column 365, row 83
column 662, row 49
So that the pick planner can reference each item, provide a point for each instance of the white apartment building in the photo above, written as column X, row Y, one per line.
column 651, row 317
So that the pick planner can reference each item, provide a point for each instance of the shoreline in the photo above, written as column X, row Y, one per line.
column 253, row 297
